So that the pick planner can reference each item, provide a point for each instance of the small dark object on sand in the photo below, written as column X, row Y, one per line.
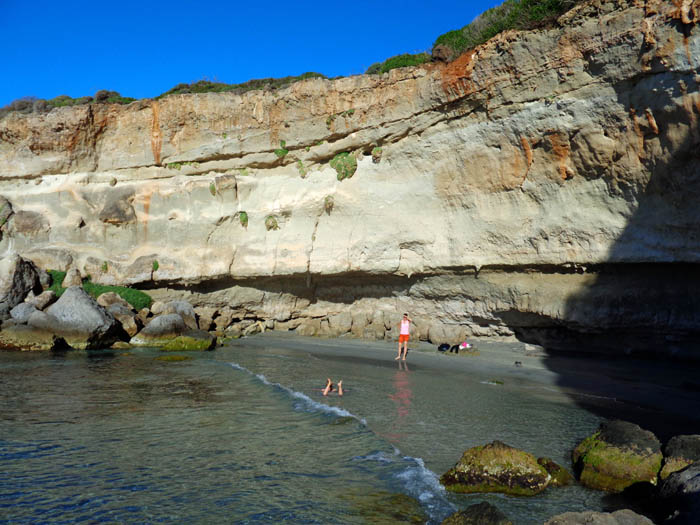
column 455, row 349
column 443, row 347
column 518, row 363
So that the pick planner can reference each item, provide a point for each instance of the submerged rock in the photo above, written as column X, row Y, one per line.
column 620, row 517
column 480, row 514
column 680, row 452
column 617, row 456
column 497, row 467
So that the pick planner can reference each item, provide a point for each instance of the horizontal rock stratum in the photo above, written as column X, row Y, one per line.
column 543, row 185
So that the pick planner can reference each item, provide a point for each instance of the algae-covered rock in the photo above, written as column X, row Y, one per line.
column 480, row 514
column 497, row 467
column 194, row 340
column 680, row 452
column 384, row 508
column 560, row 476
column 160, row 331
column 620, row 517
column 618, row 455
column 173, row 358
column 29, row 338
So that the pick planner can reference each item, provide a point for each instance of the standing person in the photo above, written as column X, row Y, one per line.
column 404, row 335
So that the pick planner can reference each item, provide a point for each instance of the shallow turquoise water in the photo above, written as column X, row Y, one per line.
column 243, row 435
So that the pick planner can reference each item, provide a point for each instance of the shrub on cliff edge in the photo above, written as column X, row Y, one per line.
column 511, row 14
column 405, row 60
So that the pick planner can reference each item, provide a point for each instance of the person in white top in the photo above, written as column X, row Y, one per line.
column 404, row 335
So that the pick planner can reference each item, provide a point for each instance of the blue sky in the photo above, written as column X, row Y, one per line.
column 142, row 49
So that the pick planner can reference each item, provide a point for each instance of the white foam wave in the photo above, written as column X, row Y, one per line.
column 415, row 478
column 304, row 402
column 417, row 481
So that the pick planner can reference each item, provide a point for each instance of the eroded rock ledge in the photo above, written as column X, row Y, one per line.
column 544, row 185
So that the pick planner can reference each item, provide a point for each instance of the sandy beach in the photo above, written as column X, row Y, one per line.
column 659, row 396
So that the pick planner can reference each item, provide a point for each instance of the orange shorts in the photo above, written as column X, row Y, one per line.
column 403, row 338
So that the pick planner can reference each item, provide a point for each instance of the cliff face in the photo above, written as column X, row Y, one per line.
column 544, row 185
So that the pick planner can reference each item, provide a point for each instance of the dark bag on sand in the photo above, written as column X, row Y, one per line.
column 444, row 347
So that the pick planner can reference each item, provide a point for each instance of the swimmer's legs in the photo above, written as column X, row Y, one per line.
column 328, row 387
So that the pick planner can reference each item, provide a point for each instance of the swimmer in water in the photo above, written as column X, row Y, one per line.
column 329, row 387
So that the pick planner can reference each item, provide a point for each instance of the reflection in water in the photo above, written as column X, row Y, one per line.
column 402, row 398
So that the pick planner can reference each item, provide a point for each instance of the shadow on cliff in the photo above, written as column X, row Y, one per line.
column 639, row 311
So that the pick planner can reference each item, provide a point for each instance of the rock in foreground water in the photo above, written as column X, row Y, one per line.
column 680, row 494
column 620, row 517
column 617, row 456
column 680, row 452
column 497, row 467
column 480, row 514
column 171, row 332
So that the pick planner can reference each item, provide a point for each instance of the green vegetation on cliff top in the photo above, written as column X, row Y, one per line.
column 511, row 14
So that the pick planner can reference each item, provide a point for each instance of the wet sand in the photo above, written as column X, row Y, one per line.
column 661, row 396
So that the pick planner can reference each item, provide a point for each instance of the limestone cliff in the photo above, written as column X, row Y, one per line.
column 543, row 185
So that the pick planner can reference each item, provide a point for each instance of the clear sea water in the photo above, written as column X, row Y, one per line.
column 243, row 435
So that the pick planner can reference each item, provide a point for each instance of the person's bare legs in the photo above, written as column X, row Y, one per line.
column 328, row 387
column 340, row 387
column 398, row 356
column 405, row 349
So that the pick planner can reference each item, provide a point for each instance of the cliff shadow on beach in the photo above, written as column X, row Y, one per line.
column 639, row 310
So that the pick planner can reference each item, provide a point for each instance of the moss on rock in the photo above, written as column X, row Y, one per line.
column 497, row 467
column 560, row 476
column 680, row 452
column 617, row 456
column 195, row 340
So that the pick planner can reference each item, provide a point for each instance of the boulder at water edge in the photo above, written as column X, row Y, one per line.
column 74, row 321
column 680, row 452
column 620, row 517
column 480, row 514
column 128, row 319
column 497, row 467
column 680, row 495
column 192, row 340
column 17, row 278
column 82, row 322
column 617, row 456
column 170, row 330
